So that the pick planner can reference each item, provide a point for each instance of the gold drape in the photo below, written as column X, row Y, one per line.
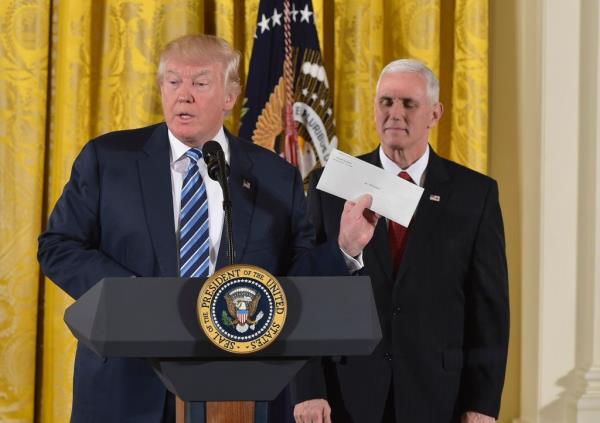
column 23, row 114
column 73, row 69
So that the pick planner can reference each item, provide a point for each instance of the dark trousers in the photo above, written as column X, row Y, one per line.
column 169, row 411
column 388, row 412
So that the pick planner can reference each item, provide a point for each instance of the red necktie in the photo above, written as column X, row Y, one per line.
column 397, row 234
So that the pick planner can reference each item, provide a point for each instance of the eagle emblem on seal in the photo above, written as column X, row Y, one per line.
column 241, row 308
column 242, row 305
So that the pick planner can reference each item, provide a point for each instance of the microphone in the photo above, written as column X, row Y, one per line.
column 215, row 160
column 218, row 170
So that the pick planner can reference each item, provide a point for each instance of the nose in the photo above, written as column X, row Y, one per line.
column 397, row 110
column 184, row 95
column 184, row 98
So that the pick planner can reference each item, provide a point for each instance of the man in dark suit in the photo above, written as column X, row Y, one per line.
column 440, row 285
column 123, row 210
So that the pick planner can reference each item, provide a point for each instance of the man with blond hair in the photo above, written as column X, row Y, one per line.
column 139, row 202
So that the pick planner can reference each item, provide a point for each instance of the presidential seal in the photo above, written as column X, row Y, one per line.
column 242, row 308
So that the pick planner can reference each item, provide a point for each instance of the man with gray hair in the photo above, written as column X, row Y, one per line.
column 440, row 285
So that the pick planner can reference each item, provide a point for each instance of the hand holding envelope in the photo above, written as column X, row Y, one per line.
column 347, row 177
column 357, row 225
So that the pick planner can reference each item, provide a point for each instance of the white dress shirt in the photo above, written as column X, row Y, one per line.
column 415, row 170
column 214, row 194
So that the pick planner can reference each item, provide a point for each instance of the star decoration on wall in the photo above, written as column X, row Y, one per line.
column 276, row 18
column 305, row 14
column 264, row 24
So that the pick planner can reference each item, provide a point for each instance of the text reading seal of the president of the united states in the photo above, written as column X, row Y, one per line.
column 242, row 308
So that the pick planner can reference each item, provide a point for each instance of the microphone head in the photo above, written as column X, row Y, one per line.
column 210, row 150
column 214, row 157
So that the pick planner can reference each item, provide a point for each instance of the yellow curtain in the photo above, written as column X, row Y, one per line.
column 73, row 69
column 23, row 116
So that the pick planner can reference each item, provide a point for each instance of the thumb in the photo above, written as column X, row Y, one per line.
column 363, row 202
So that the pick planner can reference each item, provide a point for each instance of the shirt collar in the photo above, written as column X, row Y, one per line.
column 415, row 170
column 178, row 148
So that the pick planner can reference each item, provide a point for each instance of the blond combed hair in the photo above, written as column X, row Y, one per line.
column 203, row 48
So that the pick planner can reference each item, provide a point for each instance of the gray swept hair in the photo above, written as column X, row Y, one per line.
column 414, row 66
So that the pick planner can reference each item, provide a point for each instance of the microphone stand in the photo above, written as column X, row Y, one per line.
column 218, row 170
column 222, row 176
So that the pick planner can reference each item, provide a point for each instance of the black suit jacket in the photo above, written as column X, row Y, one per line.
column 115, row 218
column 444, row 316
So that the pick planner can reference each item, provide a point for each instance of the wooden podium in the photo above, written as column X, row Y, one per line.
column 155, row 318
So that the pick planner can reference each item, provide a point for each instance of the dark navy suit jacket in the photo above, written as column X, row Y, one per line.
column 115, row 218
column 444, row 315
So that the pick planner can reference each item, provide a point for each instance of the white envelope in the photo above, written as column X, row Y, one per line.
column 347, row 177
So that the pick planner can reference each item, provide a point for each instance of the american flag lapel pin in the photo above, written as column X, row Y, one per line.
column 433, row 197
column 246, row 184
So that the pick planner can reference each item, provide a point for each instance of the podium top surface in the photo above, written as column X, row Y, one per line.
column 156, row 318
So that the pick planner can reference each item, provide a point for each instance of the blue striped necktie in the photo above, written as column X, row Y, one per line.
column 193, row 222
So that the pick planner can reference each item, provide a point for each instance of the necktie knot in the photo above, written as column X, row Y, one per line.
column 404, row 175
column 194, row 155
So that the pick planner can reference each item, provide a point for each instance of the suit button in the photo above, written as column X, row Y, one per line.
column 396, row 312
column 387, row 356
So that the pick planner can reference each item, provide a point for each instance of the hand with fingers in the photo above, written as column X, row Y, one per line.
column 474, row 417
column 357, row 225
column 312, row 411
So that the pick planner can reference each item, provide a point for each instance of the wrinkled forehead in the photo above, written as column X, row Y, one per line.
column 402, row 84
column 193, row 68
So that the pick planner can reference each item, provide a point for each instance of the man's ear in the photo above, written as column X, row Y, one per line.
column 230, row 99
column 436, row 114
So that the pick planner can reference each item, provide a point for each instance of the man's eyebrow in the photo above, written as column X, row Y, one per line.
column 203, row 72
column 391, row 97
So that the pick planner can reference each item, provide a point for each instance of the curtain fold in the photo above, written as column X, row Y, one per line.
column 359, row 32
column 23, row 115
column 469, row 130
column 415, row 25
column 73, row 69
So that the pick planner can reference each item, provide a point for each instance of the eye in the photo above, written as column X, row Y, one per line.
column 200, row 84
column 386, row 102
column 410, row 104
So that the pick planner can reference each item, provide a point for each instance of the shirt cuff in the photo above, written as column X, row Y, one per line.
column 354, row 264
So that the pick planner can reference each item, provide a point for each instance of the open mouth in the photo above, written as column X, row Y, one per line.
column 184, row 116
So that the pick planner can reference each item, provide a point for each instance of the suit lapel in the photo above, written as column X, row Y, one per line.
column 378, row 249
column 242, row 188
column 437, row 184
column 155, row 179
